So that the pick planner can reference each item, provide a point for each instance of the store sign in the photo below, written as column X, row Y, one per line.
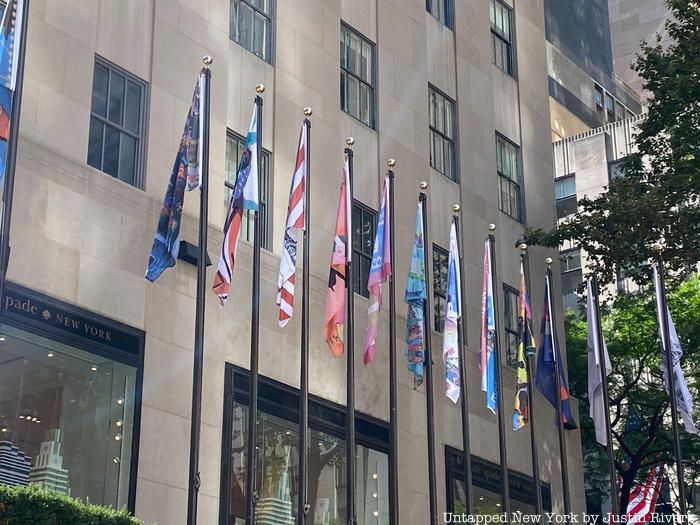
column 53, row 315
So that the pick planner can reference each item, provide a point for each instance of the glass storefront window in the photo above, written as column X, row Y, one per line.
column 66, row 418
column 278, row 469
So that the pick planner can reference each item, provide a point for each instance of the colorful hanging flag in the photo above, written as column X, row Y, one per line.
column 526, row 348
column 334, row 319
column 244, row 197
column 488, row 335
column 544, row 378
column 684, row 400
column 453, row 313
column 595, row 370
column 643, row 496
column 379, row 270
column 184, row 177
column 295, row 222
column 415, row 297
column 10, row 38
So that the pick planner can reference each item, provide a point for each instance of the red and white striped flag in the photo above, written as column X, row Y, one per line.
column 643, row 496
column 295, row 222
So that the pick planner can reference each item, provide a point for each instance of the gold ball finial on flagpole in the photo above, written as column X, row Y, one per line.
column 207, row 60
column 260, row 89
column 391, row 163
column 455, row 209
column 523, row 247
column 492, row 228
column 350, row 142
column 308, row 112
column 548, row 262
column 423, row 185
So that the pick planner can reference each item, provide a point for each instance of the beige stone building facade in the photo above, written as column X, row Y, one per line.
column 456, row 93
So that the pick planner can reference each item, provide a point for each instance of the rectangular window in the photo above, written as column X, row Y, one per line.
column 442, row 10
column 356, row 75
column 510, row 316
column 570, row 260
column 615, row 170
column 599, row 95
column 502, row 36
column 278, row 458
column 565, row 194
column 619, row 110
column 235, row 146
column 67, row 418
column 116, row 123
column 441, row 113
column 250, row 24
column 610, row 107
column 507, row 165
column 364, row 221
column 440, row 270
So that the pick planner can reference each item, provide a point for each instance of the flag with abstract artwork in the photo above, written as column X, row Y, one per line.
column 453, row 313
column 295, row 222
column 243, row 197
column 595, row 369
column 415, row 297
column 545, row 380
column 684, row 399
column 334, row 319
column 379, row 271
column 10, row 38
column 488, row 334
column 526, row 348
column 184, row 177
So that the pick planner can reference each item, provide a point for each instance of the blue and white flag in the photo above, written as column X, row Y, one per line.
column 453, row 313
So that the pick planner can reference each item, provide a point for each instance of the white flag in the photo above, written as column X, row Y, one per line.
column 684, row 401
column 595, row 378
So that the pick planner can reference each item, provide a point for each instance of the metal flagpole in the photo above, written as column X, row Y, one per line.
column 350, row 350
column 525, row 261
column 666, row 346
column 464, row 402
column 557, row 385
column 251, row 494
column 428, row 360
column 614, row 498
column 194, row 479
column 393, row 381
column 11, row 156
column 303, row 506
column 505, row 483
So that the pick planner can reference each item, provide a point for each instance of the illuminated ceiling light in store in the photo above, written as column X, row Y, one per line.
column 3, row 429
column 498, row 504
column 288, row 432
column 116, row 460
column 38, row 420
column 376, row 513
column 120, row 401
column 117, row 437
column 481, row 498
column 50, row 354
column 3, row 338
column 375, row 476
column 21, row 417
column 374, row 495
column 93, row 368
column 119, row 422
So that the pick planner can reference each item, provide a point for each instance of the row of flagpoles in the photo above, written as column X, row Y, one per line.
column 191, row 171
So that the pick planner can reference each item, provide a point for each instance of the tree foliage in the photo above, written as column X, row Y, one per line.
column 658, row 195
column 639, row 405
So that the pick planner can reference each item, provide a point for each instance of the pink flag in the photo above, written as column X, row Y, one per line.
column 379, row 270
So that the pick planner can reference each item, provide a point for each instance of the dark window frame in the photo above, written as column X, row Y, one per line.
column 512, row 184
column 270, row 25
column 282, row 400
column 140, row 137
column 510, row 332
column 445, row 14
column 344, row 70
column 360, row 258
column 599, row 97
column 454, row 176
column 439, row 296
column 505, row 41
column 569, row 204
column 264, row 193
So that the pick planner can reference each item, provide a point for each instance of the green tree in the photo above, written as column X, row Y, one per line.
column 658, row 196
column 636, row 386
